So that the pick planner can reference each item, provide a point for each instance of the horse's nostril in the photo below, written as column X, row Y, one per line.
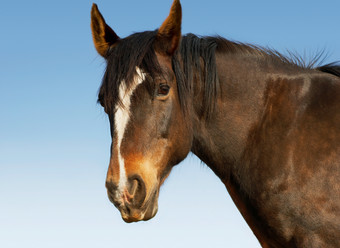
column 133, row 187
column 137, row 190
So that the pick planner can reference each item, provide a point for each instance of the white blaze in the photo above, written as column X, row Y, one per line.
column 121, row 119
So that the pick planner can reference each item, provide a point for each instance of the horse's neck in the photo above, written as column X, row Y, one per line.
column 250, row 140
column 220, row 140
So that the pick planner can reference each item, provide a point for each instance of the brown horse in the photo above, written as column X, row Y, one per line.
column 266, row 125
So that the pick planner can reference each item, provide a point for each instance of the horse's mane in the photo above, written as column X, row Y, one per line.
column 332, row 68
column 196, row 56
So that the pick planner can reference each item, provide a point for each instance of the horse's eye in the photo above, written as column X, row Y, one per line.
column 163, row 90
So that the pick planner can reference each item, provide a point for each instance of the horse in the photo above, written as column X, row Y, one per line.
column 268, row 127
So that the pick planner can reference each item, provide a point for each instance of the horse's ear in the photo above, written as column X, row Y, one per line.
column 169, row 34
column 103, row 36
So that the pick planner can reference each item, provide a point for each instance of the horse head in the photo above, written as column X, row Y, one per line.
column 149, row 129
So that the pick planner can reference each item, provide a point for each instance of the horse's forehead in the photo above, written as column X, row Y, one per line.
column 126, row 90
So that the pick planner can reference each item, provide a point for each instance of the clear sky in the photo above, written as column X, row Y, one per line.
column 54, row 138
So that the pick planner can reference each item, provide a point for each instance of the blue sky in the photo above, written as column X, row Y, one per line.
column 54, row 138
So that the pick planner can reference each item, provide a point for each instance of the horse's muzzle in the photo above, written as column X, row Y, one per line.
column 131, row 201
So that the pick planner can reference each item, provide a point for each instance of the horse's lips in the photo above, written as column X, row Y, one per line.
column 136, row 215
column 130, row 214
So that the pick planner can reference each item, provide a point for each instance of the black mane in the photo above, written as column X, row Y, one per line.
column 196, row 56
column 332, row 68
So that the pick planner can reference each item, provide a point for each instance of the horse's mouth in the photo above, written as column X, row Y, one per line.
column 131, row 213
column 136, row 215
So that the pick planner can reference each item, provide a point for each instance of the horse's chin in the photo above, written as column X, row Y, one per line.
column 135, row 215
